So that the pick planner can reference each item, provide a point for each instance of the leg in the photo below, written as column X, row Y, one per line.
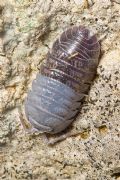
column 27, row 126
column 60, row 138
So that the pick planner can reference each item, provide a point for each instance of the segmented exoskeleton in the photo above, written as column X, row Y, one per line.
column 63, row 81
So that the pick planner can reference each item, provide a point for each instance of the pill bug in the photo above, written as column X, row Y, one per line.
column 63, row 80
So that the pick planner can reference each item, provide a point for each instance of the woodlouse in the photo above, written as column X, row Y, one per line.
column 63, row 81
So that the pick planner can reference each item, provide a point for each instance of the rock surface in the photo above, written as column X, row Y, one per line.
column 27, row 31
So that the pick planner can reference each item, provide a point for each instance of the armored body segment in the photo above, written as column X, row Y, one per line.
column 73, row 60
column 64, row 79
column 51, row 104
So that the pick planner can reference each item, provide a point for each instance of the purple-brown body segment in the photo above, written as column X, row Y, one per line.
column 73, row 60
column 64, row 79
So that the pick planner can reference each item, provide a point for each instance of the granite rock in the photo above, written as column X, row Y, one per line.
column 27, row 31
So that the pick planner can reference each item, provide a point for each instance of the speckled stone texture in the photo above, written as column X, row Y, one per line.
column 28, row 29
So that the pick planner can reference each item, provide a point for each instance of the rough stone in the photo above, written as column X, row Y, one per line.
column 27, row 31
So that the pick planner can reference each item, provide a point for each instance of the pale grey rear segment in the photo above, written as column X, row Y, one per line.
column 51, row 106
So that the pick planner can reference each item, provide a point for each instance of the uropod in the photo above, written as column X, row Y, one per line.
column 63, row 81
